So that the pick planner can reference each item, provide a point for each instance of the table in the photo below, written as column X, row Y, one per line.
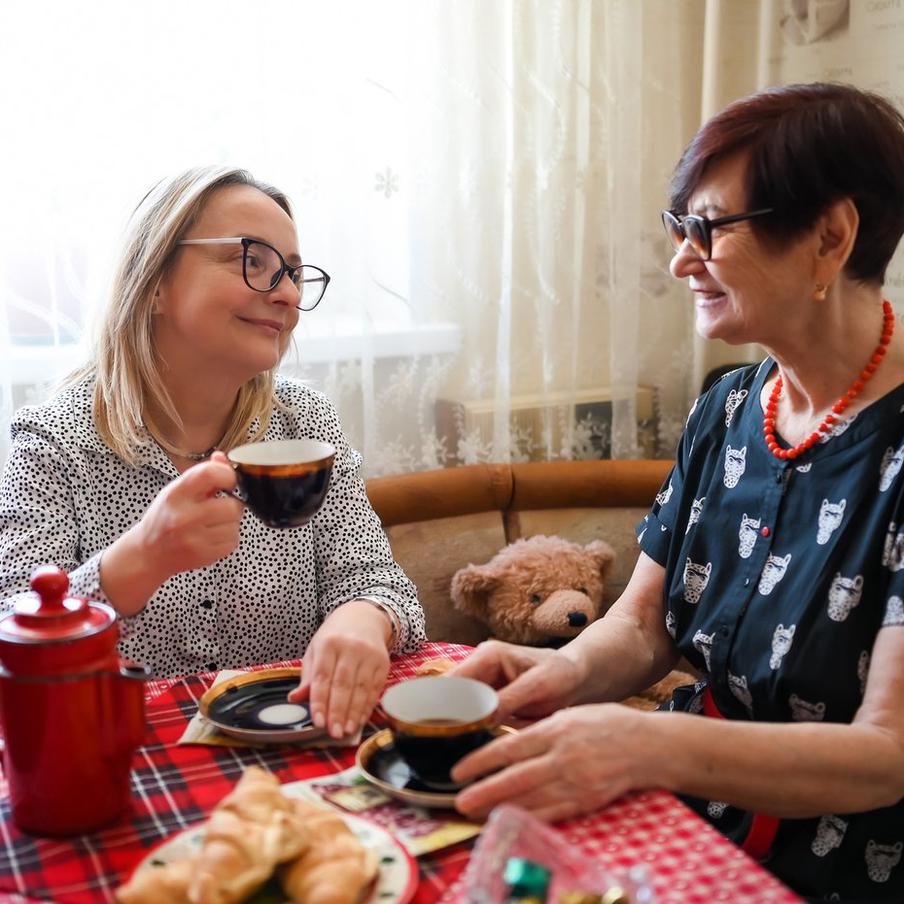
column 176, row 786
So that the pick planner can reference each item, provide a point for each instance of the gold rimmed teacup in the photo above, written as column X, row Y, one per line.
column 437, row 720
column 284, row 482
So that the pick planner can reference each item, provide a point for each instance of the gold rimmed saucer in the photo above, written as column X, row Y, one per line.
column 382, row 765
column 254, row 707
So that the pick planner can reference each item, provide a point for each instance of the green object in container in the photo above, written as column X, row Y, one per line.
column 527, row 881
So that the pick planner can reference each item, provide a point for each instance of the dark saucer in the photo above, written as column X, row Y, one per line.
column 254, row 707
column 382, row 765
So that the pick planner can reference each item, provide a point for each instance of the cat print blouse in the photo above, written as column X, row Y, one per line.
column 779, row 576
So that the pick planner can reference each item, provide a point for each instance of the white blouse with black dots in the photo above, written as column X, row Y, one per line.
column 65, row 496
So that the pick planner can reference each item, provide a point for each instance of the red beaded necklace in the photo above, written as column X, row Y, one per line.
column 888, row 328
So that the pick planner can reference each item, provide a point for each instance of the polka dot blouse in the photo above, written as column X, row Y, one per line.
column 65, row 496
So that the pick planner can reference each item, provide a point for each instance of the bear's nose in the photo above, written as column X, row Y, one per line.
column 576, row 619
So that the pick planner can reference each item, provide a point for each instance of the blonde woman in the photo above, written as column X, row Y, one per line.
column 116, row 479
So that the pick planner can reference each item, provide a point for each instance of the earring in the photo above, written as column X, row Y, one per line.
column 819, row 293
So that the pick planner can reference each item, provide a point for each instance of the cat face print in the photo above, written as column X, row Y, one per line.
column 782, row 638
column 844, row 595
column 696, row 577
column 802, row 711
column 735, row 397
column 747, row 535
column 773, row 571
column 881, row 859
column 890, row 466
column 663, row 497
column 863, row 669
column 894, row 612
column 715, row 809
column 693, row 409
column 893, row 550
column 829, row 835
column 830, row 514
column 670, row 623
column 694, row 516
column 737, row 684
column 735, row 464
column 704, row 644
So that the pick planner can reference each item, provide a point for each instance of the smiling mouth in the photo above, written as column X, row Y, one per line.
column 271, row 325
column 706, row 299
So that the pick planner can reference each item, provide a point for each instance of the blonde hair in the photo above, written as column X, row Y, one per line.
column 127, row 376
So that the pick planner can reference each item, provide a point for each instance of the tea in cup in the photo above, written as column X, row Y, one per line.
column 284, row 481
column 436, row 721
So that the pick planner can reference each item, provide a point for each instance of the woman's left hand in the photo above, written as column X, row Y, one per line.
column 572, row 762
column 345, row 667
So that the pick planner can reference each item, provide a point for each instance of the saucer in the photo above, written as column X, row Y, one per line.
column 254, row 706
column 382, row 765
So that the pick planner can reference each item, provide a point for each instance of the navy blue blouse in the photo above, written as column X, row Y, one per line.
column 779, row 576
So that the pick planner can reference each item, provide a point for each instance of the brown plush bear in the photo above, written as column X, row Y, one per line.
column 538, row 591
column 545, row 591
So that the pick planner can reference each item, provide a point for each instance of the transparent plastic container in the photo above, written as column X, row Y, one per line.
column 513, row 832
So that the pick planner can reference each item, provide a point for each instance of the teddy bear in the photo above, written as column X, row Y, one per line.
column 543, row 591
column 539, row 591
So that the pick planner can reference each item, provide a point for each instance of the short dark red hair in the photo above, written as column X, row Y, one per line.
column 808, row 146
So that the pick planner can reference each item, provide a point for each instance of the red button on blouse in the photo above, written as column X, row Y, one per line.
column 765, row 531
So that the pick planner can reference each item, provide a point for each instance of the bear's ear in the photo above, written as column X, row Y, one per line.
column 603, row 555
column 471, row 589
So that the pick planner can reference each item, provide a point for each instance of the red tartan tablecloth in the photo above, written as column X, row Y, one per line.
column 176, row 786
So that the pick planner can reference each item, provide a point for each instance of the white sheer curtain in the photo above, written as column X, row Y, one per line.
column 482, row 179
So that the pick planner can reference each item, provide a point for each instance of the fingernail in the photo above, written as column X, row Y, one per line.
column 351, row 727
column 319, row 720
column 336, row 730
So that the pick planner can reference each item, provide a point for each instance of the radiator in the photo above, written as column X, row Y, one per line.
column 539, row 426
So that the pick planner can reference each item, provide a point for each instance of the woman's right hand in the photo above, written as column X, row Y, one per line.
column 193, row 522
column 532, row 681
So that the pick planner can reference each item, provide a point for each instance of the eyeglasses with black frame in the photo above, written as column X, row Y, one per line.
column 263, row 267
column 698, row 230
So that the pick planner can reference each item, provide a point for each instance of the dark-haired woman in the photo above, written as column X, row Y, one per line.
column 773, row 558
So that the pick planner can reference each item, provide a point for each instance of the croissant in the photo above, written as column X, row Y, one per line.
column 335, row 868
column 251, row 830
column 439, row 666
column 167, row 884
column 258, row 798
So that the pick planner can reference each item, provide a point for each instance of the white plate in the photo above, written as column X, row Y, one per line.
column 396, row 881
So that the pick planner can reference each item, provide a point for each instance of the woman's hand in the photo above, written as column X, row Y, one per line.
column 345, row 667
column 573, row 762
column 532, row 681
column 191, row 523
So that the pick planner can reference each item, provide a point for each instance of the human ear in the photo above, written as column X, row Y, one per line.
column 837, row 231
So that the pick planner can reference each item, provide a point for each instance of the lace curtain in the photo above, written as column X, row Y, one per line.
column 481, row 179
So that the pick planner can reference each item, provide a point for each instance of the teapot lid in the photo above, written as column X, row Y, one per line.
column 51, row 615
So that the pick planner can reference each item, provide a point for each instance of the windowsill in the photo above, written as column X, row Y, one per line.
column 344, row 342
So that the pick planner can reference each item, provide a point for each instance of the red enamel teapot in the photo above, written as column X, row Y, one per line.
column 72, row 711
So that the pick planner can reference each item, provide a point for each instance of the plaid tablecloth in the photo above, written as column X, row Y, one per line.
column 174, row 787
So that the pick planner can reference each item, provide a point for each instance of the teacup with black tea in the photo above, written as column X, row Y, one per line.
column 436, row 721
column 284, row 481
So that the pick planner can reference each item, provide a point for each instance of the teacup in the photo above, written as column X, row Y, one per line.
column 283, row 481
column 436, row 720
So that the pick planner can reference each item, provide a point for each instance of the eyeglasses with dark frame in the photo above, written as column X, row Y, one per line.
column 263, row 267
column 698, row 230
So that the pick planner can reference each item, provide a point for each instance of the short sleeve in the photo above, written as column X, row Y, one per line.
column 655, row 531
